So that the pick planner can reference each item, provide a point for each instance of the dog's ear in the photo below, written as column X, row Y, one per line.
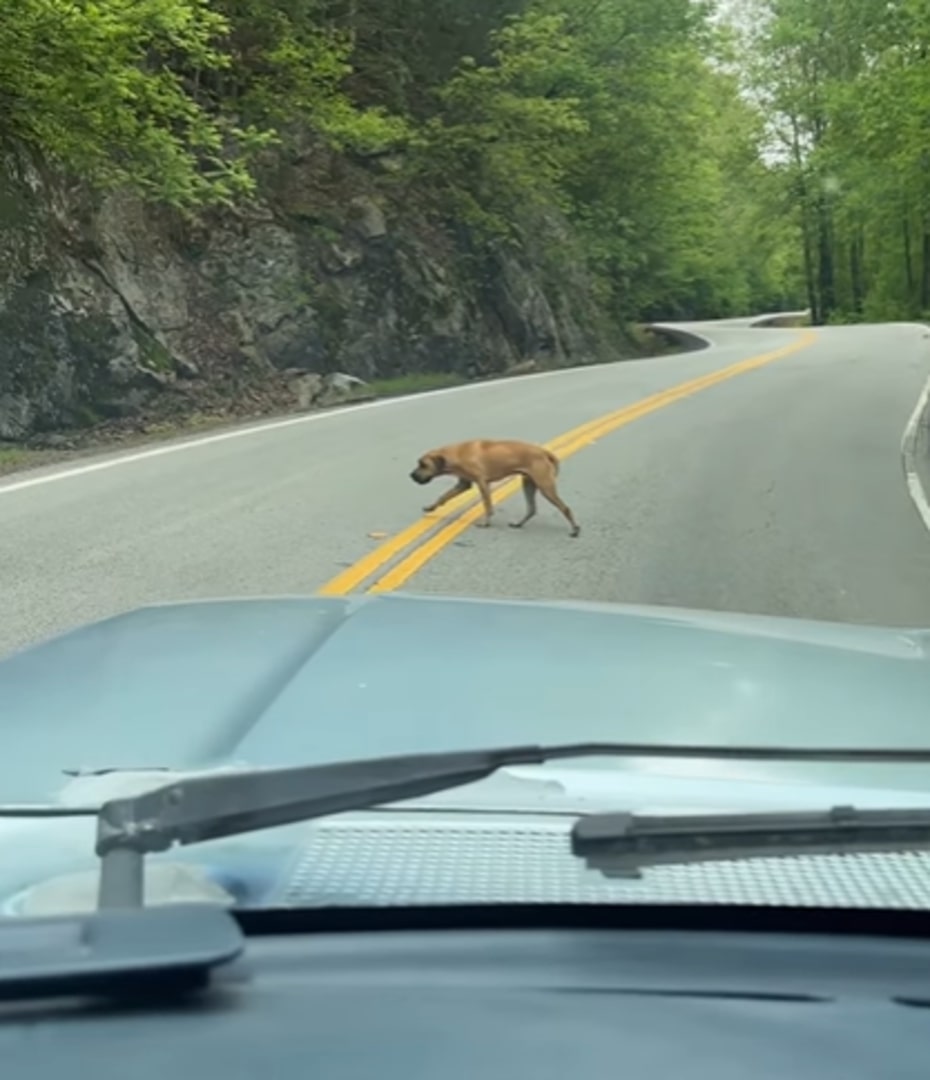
column 440, row 462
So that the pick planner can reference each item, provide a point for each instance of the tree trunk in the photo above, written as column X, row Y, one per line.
column 925, row 272
column 813, row 298
column 856, row 260
column 826, row 279
column 908, row 263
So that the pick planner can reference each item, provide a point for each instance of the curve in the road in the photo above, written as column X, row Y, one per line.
column 777, row 494
column 434, row 532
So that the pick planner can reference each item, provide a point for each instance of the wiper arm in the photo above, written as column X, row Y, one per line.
column 620, row 845
column 197, row 808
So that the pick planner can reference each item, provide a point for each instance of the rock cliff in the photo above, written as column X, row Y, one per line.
column 112, row 311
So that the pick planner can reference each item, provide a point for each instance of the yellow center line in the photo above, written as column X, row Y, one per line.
column 564, row 446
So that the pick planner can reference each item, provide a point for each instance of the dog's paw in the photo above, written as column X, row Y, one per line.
column 515, row 524
column 482, row 524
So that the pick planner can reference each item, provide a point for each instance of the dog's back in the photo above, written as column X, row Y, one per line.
column 498, row 458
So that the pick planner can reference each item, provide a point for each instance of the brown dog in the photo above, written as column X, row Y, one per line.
column 484, row 461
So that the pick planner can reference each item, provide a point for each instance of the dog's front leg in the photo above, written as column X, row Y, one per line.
column 458, row 489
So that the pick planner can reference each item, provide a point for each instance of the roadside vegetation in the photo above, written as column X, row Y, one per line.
column 696, row 158
column 844, row 86
column 625, row 116
column 708, row 158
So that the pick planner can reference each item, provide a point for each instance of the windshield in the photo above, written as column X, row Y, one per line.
column 407, row 378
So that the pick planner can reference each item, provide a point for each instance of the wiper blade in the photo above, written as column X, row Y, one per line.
column 196, row 808
column 621, row 845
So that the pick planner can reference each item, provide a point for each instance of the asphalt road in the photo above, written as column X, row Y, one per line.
column 777, row 488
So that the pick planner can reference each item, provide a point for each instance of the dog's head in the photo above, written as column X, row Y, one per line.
column 428, row 468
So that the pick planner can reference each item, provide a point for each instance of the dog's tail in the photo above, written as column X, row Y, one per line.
column 554, row 460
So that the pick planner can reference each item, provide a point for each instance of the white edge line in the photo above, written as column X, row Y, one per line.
column 291, row 421
column 909, row 457
column 269, row 425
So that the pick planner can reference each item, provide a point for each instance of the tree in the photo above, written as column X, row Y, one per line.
column 846, row 87
column 610, row 135
column 173, row 97
column 95, row 87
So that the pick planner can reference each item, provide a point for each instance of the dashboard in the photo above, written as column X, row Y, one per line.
column 503, row 1003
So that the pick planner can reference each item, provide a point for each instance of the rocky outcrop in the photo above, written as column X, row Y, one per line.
column 111, row 309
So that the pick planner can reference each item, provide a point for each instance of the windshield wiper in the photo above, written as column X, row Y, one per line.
column 197, row 808
column 620, row 845
column 176, row 948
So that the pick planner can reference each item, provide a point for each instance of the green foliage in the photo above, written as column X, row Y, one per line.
column 607, row 135
column 613, row 115
column 94, row 86
column 173, row 97
column 413, row 383
column 502, row 142
column 846, row 85
column 288, row 64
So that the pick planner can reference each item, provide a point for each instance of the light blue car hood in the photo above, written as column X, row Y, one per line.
column 286, row 681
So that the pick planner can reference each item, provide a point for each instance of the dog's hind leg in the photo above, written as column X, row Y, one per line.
column 529, row 493
column 547, row 487
column 458, row 489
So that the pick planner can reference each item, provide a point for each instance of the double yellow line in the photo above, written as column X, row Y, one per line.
column 452, row 522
